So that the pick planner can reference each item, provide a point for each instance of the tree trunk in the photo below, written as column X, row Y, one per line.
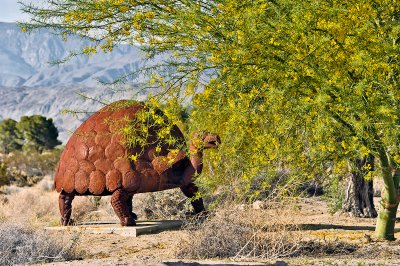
column 389, row 199
column 359, row 195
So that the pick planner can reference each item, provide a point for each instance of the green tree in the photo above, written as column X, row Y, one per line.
column 37, row 132
column 8, row 137
column 4, row 176
column 291, row 84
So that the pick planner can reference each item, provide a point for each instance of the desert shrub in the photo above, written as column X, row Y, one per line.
column 167, row 204
column 24, row 245
column 3, row 174
column 33, row 162
column 23, row 168
column 43, row 206
column 92, row 208
column 334, row 193
column 234, row 233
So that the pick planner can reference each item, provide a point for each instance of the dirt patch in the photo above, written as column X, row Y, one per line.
column 114, row 249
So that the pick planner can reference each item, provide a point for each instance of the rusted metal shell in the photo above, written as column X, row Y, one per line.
column 96, row 161
column 69, row 181
column 97, row 182
column 81, row 182
column 131, row 181
column 113, row 180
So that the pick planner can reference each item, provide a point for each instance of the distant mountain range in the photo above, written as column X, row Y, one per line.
column 30, row 85
column 25, row 57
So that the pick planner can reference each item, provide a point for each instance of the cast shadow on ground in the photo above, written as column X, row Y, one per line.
column 183, row 263
column 336, row 226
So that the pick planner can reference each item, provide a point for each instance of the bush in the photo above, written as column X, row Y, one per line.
column 23, row 245
column 334, row 194
column 4, row 180
column 234, row 233
column 27, row 168
column 167, row 204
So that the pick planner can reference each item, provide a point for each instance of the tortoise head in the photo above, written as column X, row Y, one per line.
column 205, row 140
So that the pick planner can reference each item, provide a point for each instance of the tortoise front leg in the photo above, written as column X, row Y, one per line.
column 190, row 191
column 65, row 206
column 119, row 202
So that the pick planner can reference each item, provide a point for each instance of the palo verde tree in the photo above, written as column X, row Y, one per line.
column 292, row 85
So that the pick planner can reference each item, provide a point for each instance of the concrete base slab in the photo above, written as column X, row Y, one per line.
column 111, row 227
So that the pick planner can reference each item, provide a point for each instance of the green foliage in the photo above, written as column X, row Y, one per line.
column 8, row 136
column 153, row 124
column 334, row 194
column 37, row 133
column 3, row 174
column 289, row 85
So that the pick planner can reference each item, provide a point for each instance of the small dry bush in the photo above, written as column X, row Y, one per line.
column 167, row 204
column 248, row 233
column 26, row 245
column 92, row 208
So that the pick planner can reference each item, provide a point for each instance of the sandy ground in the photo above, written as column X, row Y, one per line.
column 311, row 215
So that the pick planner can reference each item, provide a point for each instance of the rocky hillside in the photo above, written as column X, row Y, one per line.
column 25, row 60
column 30, row 85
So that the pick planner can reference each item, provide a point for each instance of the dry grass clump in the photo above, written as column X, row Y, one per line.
column 38, row 207
column 92, row 208
column 266, row 230
column 24, row 245
column 30, row 205
column 248, row 233
column 167, row 204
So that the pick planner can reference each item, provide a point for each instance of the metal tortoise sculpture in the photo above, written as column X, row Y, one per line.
column 96, row 161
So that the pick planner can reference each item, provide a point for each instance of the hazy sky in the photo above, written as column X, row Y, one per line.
column 9, row 11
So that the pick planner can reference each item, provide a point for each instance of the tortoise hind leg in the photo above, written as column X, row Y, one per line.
column 119, row 202
column 190, row 191
column 65, row 206
column 130, row 206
